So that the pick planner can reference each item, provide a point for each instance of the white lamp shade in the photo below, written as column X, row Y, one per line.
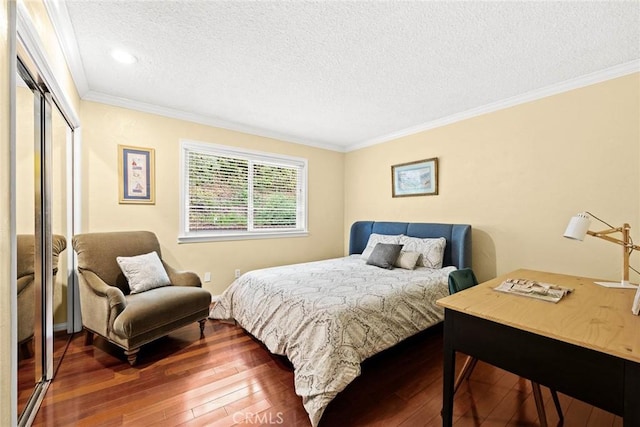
column 578, row 226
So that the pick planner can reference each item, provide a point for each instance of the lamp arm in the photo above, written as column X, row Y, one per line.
column 607, row 231
column 576, row 230
column 603, row 235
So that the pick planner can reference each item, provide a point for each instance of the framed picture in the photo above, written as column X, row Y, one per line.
column 418, row 178
column 136, row 171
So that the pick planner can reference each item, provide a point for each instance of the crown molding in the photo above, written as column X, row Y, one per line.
column 59, row 17
column 586, row 80
column 203, row 120
column 565, row 86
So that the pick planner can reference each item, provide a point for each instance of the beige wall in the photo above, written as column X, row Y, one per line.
column 104, row 127
column 517, row 176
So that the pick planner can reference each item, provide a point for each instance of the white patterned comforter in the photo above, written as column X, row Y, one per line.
column 329, row 316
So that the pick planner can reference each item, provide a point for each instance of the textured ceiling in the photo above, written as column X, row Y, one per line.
column 340, row 75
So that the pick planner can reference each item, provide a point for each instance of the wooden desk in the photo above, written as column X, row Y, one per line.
column 586, row 346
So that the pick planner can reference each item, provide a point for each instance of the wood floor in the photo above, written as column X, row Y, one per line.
column 27, row 369
column 229, row 378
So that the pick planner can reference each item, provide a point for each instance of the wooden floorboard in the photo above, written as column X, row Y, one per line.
column 228, row 378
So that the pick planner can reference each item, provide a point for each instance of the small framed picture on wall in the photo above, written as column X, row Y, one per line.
column 136, row 172
column 419, row 178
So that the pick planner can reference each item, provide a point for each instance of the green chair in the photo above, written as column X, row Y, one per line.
column 462, row 279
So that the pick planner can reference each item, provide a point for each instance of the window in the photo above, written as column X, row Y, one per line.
column 230, row 193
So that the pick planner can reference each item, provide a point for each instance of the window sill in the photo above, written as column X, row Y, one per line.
column 240, row 236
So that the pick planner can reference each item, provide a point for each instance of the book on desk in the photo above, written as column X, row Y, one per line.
column 533, row 289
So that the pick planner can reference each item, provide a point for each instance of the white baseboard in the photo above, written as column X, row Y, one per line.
column 60, row 327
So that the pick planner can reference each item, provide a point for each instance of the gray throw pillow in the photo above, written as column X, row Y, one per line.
column 384, row 255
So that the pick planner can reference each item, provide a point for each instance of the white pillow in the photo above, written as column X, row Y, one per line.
column 143, row 272
column 432, row 250
column 407, row 260
column 374, row 239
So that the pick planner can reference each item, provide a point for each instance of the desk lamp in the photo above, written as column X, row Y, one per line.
column 579, row 227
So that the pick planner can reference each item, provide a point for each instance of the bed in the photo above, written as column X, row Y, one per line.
column 328, row 316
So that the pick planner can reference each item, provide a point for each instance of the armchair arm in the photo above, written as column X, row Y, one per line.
column 23, row 282
column 96, row 293
column 182, row 278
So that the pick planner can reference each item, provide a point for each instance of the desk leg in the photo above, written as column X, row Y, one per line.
column 449, row 371
column 631, row 416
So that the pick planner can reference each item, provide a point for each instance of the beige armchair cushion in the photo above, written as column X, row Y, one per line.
column 149, row 311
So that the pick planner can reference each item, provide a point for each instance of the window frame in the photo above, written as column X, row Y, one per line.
column 186, row 236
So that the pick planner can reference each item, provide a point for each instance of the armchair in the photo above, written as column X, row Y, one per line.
column 25, row 284
column 128, row 320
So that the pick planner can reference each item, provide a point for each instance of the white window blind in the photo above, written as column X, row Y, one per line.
column 230, row 193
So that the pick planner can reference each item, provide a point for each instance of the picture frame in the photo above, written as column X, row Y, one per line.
column 419, row 178
column 136, row 172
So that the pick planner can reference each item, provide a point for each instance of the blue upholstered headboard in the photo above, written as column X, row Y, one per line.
column 456, row 253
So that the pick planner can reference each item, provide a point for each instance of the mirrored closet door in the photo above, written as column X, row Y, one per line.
column 43, row 227
column 25, row 228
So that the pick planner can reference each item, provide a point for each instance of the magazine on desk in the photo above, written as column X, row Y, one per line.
column 533, row 289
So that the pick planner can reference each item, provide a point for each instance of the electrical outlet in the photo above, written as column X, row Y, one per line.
column 207, row 276
column 237, row 273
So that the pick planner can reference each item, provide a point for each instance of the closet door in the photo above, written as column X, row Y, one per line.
column 43, row 143
column 45, row 180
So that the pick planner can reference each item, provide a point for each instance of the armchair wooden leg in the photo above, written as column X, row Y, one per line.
column 537, row 396
column 202, row 323
column 132, row 355
column 88, row 337
column 26, row 349
column 465, row 372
